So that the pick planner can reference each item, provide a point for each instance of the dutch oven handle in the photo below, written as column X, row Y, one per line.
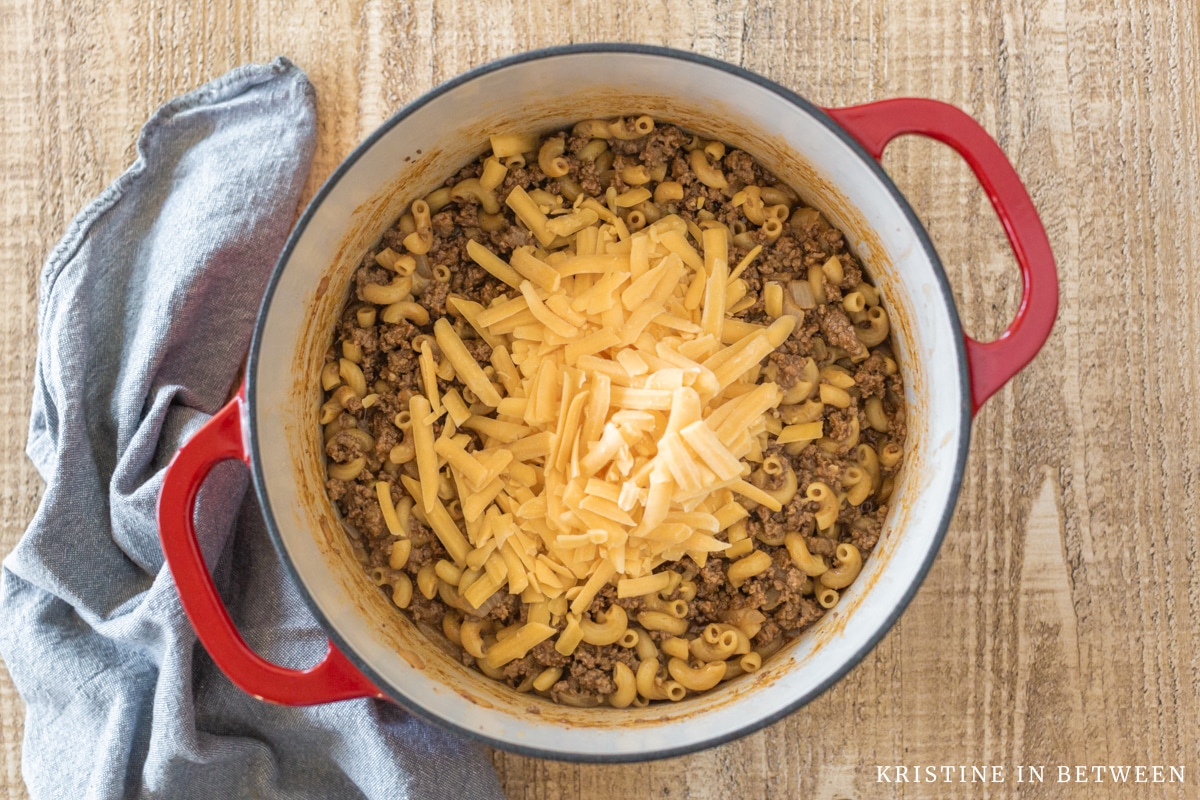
column 334, row 678
column 992, row 364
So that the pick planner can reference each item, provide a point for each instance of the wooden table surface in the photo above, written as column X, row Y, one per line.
column 1059, row 623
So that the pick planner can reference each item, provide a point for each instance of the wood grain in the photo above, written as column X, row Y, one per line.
column 1059, row 624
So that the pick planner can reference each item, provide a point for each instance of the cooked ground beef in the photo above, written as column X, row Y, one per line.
column 387, row 353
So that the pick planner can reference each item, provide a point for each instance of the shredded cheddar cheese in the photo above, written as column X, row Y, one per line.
column 624, row 402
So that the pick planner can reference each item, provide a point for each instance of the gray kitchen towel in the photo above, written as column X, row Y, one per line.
column 145, row 314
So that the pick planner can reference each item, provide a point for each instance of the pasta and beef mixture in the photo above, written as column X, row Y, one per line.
column 613, row 412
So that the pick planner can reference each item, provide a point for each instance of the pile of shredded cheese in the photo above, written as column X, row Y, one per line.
column 626, row 403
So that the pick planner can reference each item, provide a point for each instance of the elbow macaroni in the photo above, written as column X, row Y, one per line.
column 627, row 421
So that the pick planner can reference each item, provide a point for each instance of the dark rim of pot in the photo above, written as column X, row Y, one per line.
column 716, row 737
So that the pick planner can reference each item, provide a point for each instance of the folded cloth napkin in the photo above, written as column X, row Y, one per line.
column 145, row 314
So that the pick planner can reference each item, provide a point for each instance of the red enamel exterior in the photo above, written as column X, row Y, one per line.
column 334, row 678
column 992, row 364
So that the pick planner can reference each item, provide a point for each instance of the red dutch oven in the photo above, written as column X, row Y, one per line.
column 830, row 155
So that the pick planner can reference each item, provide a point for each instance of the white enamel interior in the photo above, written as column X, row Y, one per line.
column 429, row 143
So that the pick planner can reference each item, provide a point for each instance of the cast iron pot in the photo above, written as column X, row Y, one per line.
column 830, row 156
